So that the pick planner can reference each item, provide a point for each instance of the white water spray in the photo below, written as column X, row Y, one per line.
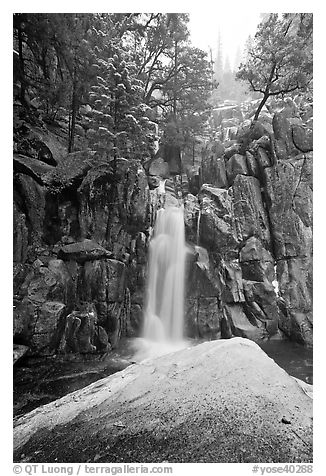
column 164, row 312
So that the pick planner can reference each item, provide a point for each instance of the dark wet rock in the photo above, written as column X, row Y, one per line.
column 257, row 263
column 213, row 166
column 193, row 177
column 191, row 313
column 46, row 333
column 47, row 144
column 66, row 287
column 240, row 325
column 42, row 284
column 116, row 322
column 38, row 325
column 79, row 333
column 302, row 138
column 20, row 271
column 233, row 149
column 24, row 314
column 203, row 290
column 171, row 154
column 252, row 165
column 217, row 229
column 191, row 212
column 104, row 280
column 216, row 148
column 116, row 280
column 32, row 167
column 249, row 211
column 30, row 198
column 232, row 291
column 262, row 303
column 134, row 325
column 295, row 286
column 263, row 141
column 68, row 220
column 102, row 343
column 284, row 145
column 86, row 250
column 263, row 158
column 201, row 280
column 36, row 148
column 71, row 170
column 289, row 193
column 208, row 318
column 252, row 251
column 136, row 269
column 236, row 165
column 110, row 213
column 264, row 220
column 213, row 172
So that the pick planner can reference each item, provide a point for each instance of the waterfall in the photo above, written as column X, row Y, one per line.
column 164, row 311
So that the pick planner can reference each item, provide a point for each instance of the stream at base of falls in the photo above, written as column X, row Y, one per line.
column 40, row 381
column 292, row 357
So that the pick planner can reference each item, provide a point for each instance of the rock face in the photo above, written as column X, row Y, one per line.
column 86, row 250
column 254, row 217
column 80, row 254
column 232, row 406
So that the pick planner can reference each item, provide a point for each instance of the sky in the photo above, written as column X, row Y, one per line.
column 234, row 27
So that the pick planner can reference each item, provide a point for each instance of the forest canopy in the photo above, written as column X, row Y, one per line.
column 114, row 76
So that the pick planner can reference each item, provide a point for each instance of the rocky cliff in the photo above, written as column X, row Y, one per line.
column 252, row 214
column 81, row 230
column 79, row 249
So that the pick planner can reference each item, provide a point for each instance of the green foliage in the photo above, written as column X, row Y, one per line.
column 279, row 60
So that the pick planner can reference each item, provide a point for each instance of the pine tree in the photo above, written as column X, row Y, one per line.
column 121, row 127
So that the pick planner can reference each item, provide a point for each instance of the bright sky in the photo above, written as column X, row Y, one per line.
column 234, row 26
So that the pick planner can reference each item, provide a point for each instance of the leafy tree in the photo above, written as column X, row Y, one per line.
column 157, row 44
column 280, row 59
column 177, row 77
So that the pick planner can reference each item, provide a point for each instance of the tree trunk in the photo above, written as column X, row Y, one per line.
column 261, row 105
column 266, row 92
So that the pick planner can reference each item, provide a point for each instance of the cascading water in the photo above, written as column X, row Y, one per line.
column 163, row 321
